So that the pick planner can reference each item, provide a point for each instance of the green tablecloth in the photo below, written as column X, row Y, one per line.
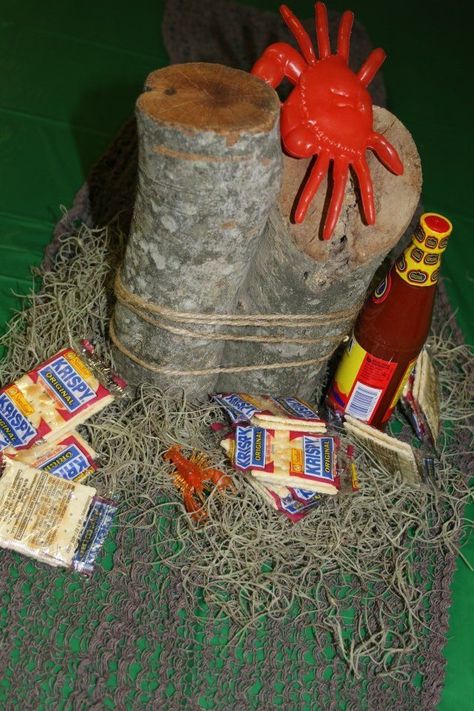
column 70, row 73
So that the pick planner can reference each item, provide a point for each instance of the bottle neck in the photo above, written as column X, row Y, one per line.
column 420, row 263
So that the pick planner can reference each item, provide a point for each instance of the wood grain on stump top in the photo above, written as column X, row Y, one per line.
column 209, row 97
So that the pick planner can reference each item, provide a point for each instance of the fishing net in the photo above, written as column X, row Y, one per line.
column 345, row 610
column 348, row 605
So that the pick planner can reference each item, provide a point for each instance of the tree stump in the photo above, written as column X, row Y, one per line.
column 219, row 290
column 209, row 171
column 294, row 272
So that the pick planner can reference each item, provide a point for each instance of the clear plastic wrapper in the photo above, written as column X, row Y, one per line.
column 41, row 515
column 420, row 400
column 347, row 470
column 392, row 454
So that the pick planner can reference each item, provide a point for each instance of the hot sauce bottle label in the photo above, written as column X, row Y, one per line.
column 382, row 291
column 360, row 382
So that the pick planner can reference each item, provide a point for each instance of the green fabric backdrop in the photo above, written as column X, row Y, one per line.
column 70, row 73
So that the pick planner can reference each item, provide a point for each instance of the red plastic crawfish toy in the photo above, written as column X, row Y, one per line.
column 328, row 113
column 193, row 478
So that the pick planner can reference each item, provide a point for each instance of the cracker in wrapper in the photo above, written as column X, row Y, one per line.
column 287, row 501
column 41, row 515
column 54, row 397
column 63, row 390
column 295, row 509
column 273, row 412
column 387, row 451
column 290, row 458
column 68, row 456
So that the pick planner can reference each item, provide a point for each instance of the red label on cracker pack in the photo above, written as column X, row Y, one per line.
column 73, row 387
column 68, row 458
column 47, row 400
column 16, row 428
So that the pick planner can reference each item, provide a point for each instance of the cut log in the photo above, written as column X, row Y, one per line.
column 295, row 272
column 209, row 171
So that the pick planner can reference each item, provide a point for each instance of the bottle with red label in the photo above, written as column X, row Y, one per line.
column 391, row 329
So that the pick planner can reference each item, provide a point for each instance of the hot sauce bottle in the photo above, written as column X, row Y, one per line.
column 391, row 329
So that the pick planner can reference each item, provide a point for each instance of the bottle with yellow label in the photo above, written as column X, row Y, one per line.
column 391, row 329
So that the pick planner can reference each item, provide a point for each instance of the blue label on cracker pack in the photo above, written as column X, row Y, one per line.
column 68, row 464
column 250, row 445
column 319, row 457
column 96, row 527
column 15, row 429
column 66, row 383
column 306, row 496
column 297, row 408
column 291, row 506
column 239, row 409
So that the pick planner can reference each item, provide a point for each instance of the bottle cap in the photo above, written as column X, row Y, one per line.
column 420, row 263
column 433, row 232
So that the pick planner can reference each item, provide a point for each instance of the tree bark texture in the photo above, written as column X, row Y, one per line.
column 209, row 170
column 294, row 271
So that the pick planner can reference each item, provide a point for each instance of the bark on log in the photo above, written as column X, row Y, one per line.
column 209, row 170
column 295, row 272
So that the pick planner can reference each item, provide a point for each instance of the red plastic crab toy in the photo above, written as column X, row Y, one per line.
column 328, row 113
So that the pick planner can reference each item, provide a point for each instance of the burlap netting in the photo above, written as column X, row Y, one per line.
column 130, row 637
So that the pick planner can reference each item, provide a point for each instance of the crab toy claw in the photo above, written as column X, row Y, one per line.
column 328, row 113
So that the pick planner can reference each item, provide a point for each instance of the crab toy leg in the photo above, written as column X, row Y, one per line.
column 344, row 35
column 300, row 34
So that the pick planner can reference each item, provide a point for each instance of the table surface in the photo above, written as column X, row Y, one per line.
column 70, row 74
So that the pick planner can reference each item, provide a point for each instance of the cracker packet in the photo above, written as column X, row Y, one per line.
column 59, row 394
column 41, row 515
column 295, row 509
column 295, row 504
column 273, row 412
column 289, row 458
column 303, row 496
column 68, row 456
column 420, row 400
column 286, row 501
column 387, row 451
column 96, row 527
